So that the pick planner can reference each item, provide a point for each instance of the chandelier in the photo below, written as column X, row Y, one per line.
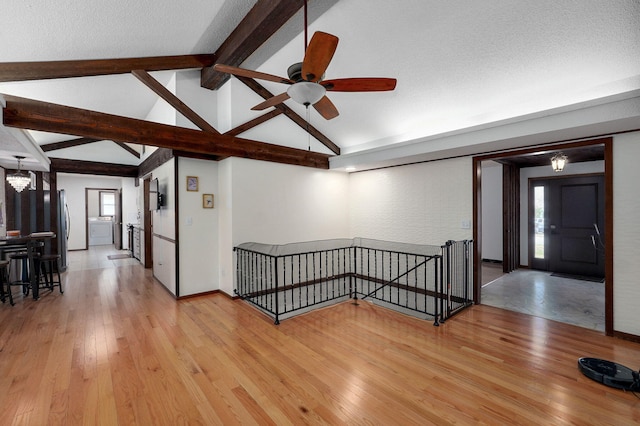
column 19, row 180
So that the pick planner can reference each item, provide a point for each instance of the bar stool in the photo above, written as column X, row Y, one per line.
column 24, row 277
column 49, row 263
column 4, row 279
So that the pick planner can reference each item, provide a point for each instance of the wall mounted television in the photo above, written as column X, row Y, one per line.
column 155, row 197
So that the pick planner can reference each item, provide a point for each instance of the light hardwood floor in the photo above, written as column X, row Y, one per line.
column 116, row 348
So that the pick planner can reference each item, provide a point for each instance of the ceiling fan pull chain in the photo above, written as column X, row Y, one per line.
column 308, row 119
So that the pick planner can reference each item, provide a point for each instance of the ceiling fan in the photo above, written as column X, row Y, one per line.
column 307, row 86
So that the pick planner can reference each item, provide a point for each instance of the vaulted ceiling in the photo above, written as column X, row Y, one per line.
column 460, row 65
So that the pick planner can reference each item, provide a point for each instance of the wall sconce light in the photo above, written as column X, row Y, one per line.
column 19, row 180
column 558, row 162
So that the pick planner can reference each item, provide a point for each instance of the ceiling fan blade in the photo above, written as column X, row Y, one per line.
column 250, row 73
column 364, row 84
column 318, row 55
column 272, row 101
column 326, row 108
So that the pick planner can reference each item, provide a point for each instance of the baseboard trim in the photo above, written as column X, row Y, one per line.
column 206, row 293
column 626, row 336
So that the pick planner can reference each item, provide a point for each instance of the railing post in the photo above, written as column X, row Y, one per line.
column 447, row 278
column 437, row 283
column 451, row 262
column 353, row 274
column 276, row 293
column 237, row 271
column 466, row 271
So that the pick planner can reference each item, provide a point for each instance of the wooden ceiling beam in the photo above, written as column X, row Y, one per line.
column 262, row 21
column 67, row 144
column 173, row 100
column 260, row 90
column 253, row 123
column 43, row 116
column 83, row 141
column 128, row 149
column 64, row 165
column 22, row 71
column 155, row 160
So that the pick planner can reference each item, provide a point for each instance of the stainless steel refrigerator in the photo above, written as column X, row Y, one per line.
column 62, row 225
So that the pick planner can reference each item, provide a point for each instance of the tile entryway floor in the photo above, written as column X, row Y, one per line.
column 539, row 294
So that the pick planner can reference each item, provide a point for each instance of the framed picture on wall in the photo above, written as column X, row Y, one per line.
column 192, row 183
column 207, row 201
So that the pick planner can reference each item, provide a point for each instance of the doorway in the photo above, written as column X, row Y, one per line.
column 103, row 213
column 598, row 149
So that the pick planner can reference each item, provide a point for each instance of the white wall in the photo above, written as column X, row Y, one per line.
column 74, row 186
column 626, row 233
column 492, row 228
column 202, row 101
column 224, row 203
column 93, row 203
column 198, row 228
column 544, row 171
column 277, row 204
column 162, row 113
column 131, row 212
column 423, row 203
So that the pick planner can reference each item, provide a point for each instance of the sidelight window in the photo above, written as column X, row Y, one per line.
column 538, row 206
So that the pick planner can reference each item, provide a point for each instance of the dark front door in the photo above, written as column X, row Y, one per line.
column 568, row 230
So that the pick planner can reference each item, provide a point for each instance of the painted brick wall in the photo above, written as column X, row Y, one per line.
column 626, row 233
column 424, row 203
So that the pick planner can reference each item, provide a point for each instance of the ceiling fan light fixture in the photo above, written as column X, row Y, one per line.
column 558, row 162
column 19, row 180
column 306, row 92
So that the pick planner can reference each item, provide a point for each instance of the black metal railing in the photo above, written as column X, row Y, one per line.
column 287, row 279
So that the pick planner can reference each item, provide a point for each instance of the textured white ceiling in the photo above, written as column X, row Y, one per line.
column 42, row 30
column 459, row 63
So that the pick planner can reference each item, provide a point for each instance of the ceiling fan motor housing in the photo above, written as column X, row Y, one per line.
column 295, row 72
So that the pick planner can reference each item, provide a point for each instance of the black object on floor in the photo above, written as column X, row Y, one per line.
column 610, row 373
column 578, row 277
